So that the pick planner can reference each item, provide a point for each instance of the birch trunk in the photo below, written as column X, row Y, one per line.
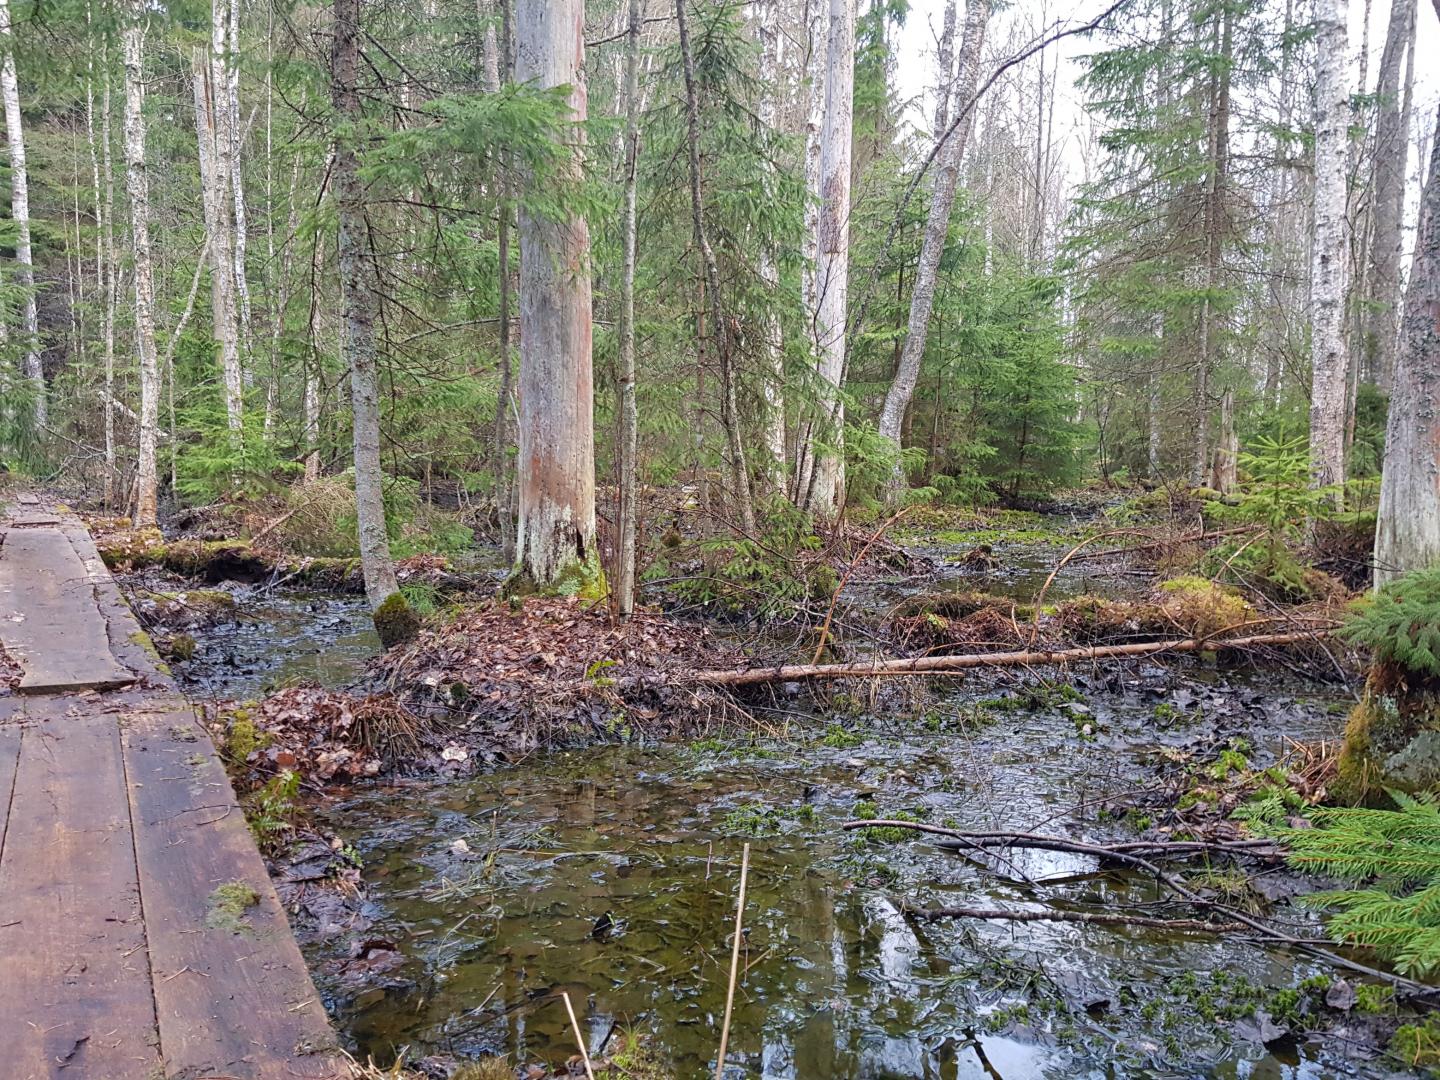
column 20, row 213
column 104, row 254
column 814, row 121
column 832, row 264
column 137, row 185
column 629, row 416
column 555, row 539
column 1407, row 528
column 506, row 493
column 215, row 205
column 358, row 300
column 229, row 93
column 767, row 25
column 1382, row 314
column 937, row 230
column 1327, row 259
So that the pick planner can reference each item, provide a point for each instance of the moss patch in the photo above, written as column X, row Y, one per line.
column 226, row 908
column 396, row 621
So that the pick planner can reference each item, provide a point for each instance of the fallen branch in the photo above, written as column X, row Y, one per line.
column 1164, row 541
column 941, row 665
column 1101, row 918
column 1408, row 987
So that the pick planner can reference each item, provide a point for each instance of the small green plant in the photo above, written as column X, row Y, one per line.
column 756, row 819
column 1400, row 624
column 271, row 811
column 837, row 738
column 227, row 905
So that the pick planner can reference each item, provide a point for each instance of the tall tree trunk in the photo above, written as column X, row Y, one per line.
column 719, row 324
column 937, row 230
column 137, row 184
column 358, row 300
column 215, row 203
column 228, row 92
column 504, row 400
column 629, row 417
column 1327, row 276
column 1216, row 227
column 816, row 38
column 832, row 269
column 1392, row 139
column 555, row 539
column 104, row 252
column 20, row 214
column 769, row 272
column 1407, row 528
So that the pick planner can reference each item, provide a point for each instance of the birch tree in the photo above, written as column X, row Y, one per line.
column 1328, row 358
column 358, row 300
column 137, row 186
column 555, row 537
column 629, row 415
column 937, row 226
column 767, row 16
column 20, row 214
column 823, row 478
column 1407, row 528
column 215, row 204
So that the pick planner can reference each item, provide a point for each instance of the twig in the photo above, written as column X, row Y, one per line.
column 1097, row 917
column 734, row 964
column 854, row 564
column 579, row 1038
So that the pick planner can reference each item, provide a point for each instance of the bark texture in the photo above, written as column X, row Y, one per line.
column 767, row 27
column 20, row 214
column 555, row 538
column 1382, row 316
column 1328, row 359
column 137, row 185
column 832, row 260
column 629, row 417
column 358, row 301
column 937, row 229
column 1407, row 528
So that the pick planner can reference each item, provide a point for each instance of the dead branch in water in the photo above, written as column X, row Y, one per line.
column 1408, row 987
column 941, row 665
column 1099, row 917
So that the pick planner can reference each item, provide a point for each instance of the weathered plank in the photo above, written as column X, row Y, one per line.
column 50, row 623
column 75, row 995
column 232, row 993
column 9, row 758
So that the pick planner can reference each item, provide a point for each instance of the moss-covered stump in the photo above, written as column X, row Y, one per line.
column 214, row 561
column 1392, row 740
column 396, row 621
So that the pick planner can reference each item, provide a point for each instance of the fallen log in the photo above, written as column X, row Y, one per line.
column 942, row 665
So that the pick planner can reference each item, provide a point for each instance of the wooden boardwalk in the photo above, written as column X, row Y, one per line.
column 120, row 840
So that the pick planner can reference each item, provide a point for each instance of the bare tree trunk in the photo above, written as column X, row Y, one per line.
column 20, row 213
column 809, row 290
column 937, row 230
column 104, row 253
column 1217, row 184
column 1407, row 528
column 719, row 324
column 229, row 93
column 769, row 272
column 358, row 299
column 555, row 541
column 629, row 417
column 215, row 203
column 137, row 184
column 1227, row 451
column 1327, row 279
column 504, row 400
column 832, row 268
column 1392, row 138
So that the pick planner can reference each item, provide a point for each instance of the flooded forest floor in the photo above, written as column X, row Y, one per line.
column 459, row 859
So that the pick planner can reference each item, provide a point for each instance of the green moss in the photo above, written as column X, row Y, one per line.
column 584, row 579
column 227, row 905
column 243, row 738
column 395, row 621
column 489, row 1068
column 182, row 647
column 837, row 738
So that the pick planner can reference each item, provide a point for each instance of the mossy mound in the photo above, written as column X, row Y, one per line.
column 184, row 610
column 1183, row 607
column 1269, row 568
column 1199, row 607
column 396, row 621
column 216, row 561
column 955, row 605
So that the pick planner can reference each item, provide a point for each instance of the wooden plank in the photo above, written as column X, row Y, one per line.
column 75, row 996
column 236, row 1000
column 9, row 760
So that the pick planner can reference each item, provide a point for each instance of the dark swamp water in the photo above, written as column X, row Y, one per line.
column 610, row 875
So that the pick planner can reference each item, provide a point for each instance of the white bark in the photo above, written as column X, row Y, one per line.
column 234, row 134
column 358, row 299
column 629, row 417
column 104, row 251
column 1407, row 528
column 555, row 539
column 137, row 184
column 832, row 263
column 937, row 228
column 20, row 213
column 767, row 19
column 1328, row 357
column 214, row 201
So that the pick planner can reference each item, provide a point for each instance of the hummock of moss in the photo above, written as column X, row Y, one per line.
column 228, row 904
column 396, row 621
column 580, row 579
